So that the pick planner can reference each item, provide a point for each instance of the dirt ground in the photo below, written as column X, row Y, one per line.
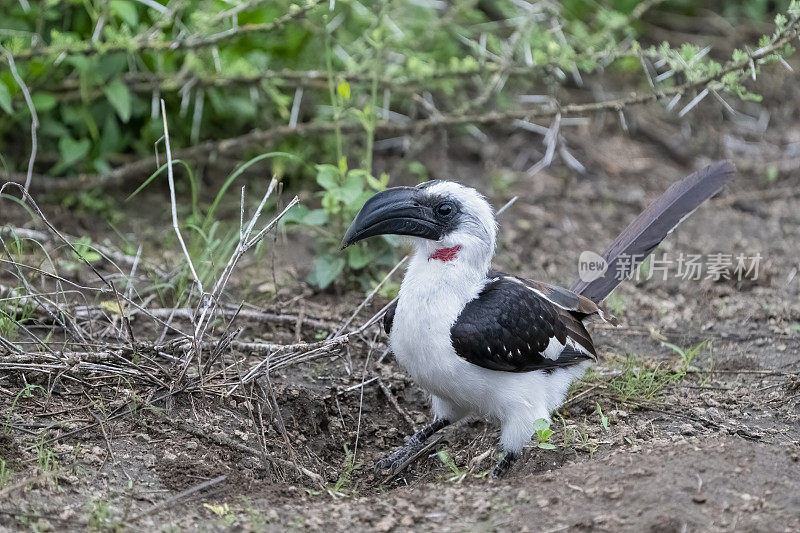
column 716, row 449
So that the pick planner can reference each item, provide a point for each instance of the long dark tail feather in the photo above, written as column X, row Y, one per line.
column 657, row 221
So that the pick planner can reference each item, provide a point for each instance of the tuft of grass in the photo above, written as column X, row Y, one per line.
column 616, row 303
column 101, row 518
column 343, row 486
column 686, row 355
column 210, row 242
column 5, row 474
column 12, row 314
column 577, row 438
column 26, row 392
column 637, row 384
column 45, row 456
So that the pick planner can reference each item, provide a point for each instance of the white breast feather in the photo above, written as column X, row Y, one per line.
column 432, row 295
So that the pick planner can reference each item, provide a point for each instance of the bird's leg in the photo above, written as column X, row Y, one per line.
column 413, row 444
column 502, row 465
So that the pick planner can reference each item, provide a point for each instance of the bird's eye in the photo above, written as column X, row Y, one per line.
column 444, row 209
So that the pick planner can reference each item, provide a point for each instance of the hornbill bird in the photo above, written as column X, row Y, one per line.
column 486, row 343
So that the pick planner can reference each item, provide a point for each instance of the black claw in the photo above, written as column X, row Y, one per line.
column 392, row 463
column 503, row 464
column 398, row 458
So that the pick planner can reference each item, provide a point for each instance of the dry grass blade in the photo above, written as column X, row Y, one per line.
column 173, row 203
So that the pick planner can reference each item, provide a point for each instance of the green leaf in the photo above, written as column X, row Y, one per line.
column 330, row 204
column 328, row 177
column 378, row 184
column 326, row 268
column 109, row 66
column 674, row 348
column 357, row 257
column 72, row 150
column 43, row 101
column 344, row 90
column 120, row 97
column 316, row 217
column 112, row 136
column 351, row 190
column 5, row 99
column 541, row 424
column 295, row 214
column 546, row 446
column 126, row 11
column 85, row 250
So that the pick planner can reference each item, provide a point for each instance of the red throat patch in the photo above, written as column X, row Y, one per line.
column 446, row 254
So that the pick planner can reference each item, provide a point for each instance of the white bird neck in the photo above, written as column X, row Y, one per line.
column 456, row 268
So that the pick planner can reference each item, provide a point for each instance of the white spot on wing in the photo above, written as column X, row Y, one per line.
column 577, row 346
column 554, row 349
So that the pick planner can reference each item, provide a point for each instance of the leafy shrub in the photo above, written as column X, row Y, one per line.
column 342, row 196
column 96, row 70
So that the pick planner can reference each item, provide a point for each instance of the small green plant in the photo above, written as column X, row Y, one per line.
column 45, row 456
column 5, row 474
column 342, row 487
column 603, row 418
column 26, row 392
column 84, row 251
column 638, row 383
column 101, row 518
column 457, row 475
column 14, row 307
column 13, row 313
column 577, row 438
column 223, row 512
column 93, row 202
column 687, row 355
column 344, row 192
column 256, row 521
column 617, row 303
column 543, row 434
column 586, row 441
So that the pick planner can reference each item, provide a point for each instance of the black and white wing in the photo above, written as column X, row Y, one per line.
column 513, row 326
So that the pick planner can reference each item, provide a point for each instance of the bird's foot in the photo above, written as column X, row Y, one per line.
column 394, row 462
column 502, row 465
column 399, row 458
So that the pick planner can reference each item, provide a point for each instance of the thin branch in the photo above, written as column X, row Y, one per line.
column 34, row 117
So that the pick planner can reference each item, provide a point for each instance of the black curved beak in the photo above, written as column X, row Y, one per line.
column 394, row 212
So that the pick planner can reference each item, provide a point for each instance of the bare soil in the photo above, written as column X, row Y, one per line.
column 716, row 450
